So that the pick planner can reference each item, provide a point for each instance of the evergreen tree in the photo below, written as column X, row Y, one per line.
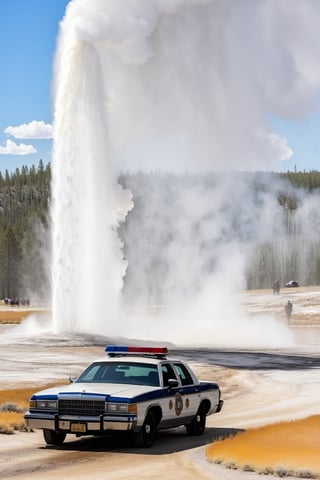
column 10, row 263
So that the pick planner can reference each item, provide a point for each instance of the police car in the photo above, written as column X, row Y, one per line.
column 134, row 389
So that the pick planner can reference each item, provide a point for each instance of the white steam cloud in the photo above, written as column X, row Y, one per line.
column 209, row 74
column 178, row 86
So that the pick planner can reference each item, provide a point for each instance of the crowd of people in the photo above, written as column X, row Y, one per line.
column 17, row 302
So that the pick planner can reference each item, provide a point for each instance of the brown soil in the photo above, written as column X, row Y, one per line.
column 14, row 315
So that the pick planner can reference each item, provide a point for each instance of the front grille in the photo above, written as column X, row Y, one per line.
column 82, row 407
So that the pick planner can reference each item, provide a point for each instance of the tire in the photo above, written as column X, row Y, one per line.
column 198, row 424
column 145, row 436
column 53, row 438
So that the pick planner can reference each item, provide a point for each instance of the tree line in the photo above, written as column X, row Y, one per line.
column 25, row 234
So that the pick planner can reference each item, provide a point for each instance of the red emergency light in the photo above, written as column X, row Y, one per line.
column 134, row 350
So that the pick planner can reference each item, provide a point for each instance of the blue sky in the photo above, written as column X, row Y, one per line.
column 28, row 31
column 303, row 137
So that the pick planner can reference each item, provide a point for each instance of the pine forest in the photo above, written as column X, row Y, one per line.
column 271, row 220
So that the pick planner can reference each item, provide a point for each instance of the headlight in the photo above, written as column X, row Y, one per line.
column 45, row 404
column 129, row 408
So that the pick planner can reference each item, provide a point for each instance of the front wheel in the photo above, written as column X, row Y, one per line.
column 52, row 437
column 145, row 436
column 198, row 424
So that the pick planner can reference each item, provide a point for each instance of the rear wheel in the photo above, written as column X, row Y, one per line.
column 198, row 424
column 145, row 436
column 53, row 438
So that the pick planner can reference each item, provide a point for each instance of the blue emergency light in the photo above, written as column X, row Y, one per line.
column 128, row 350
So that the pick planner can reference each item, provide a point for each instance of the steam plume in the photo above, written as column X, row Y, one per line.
column 171, row 85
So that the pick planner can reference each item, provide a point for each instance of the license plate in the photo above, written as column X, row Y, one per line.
column 78, row 427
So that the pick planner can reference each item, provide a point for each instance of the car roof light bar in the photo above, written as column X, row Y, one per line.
column 113, row 350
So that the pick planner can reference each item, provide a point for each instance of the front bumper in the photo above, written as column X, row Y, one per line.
column 80, row 425
column 220, row 405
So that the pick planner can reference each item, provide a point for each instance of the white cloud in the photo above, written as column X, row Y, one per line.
column 280, row 146
column 34, row 129
column 12, row 148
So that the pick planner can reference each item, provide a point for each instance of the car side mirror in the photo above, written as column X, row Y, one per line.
column 72, row 379
column 172, row 383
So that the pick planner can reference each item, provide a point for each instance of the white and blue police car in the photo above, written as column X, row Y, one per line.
column 134, row 389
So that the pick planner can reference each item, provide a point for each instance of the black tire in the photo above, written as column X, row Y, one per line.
column 145, row 436
column 198, row 424
column 53, row 438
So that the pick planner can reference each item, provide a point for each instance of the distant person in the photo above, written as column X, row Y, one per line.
column 276, row 287
column 288, row 310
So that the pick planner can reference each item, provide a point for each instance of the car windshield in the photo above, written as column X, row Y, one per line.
column 121, row 372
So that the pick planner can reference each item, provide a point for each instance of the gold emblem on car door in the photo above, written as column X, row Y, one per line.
column 178, row 405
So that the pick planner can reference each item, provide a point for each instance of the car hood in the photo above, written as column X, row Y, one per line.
column 108, row 390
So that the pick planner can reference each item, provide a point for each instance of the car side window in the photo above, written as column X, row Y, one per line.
column 167, row 372
column 183, row 374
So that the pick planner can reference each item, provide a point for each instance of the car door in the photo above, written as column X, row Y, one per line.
column 189, row 391
column 172, row 404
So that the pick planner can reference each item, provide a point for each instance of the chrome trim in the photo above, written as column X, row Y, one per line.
column 81, row 406
column 40, row 423
column 116, row 426
column 93, row 424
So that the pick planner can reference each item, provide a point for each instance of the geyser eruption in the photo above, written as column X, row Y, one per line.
column 88, row 204
column 177, row 86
